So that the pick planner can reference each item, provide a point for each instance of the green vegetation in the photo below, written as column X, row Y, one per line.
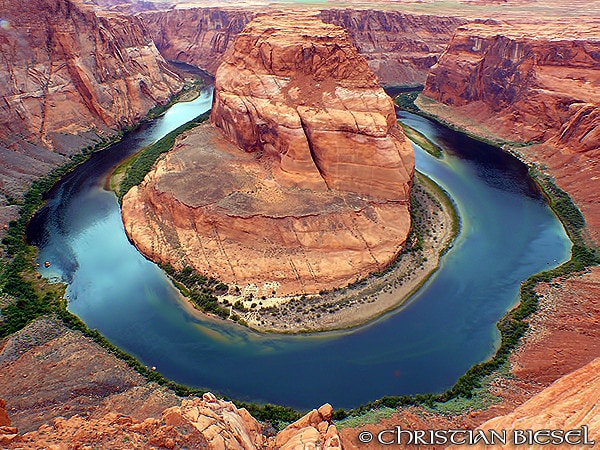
column 369, row 417
column 449, row 206
column 136, row 168
column 406, row 101
column 422, row 141
column 200, row 290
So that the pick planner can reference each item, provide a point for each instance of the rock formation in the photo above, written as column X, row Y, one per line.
column 197, row 36
column 568, row 404
column 296, row 89
column 400, row 48
column 314, row 430
column 8, row 434
column 533, row 83
column 320, row 195
column 69, row 75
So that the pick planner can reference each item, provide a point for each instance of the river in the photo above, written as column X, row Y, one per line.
column 508, row 233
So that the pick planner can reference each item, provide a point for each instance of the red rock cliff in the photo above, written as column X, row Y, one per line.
column 197, row 36
column 67, row 75
column 536, row 83
column 320, row 195
column 297, row 88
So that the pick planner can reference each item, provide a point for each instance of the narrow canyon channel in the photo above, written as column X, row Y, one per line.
column 507, row 234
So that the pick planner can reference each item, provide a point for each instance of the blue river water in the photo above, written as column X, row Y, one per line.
column 507, row 234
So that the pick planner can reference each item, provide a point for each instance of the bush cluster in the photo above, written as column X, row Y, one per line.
column 201, row 290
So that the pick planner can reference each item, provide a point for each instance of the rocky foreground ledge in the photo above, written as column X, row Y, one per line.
column 303, row 182
column 199, row 423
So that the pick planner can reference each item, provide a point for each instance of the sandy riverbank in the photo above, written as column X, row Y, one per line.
column 436, row 223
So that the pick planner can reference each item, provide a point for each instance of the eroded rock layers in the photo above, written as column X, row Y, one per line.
column 534, row 83
column 314, row 193
column 400, row 48
column 68, row 75
column 296, row 88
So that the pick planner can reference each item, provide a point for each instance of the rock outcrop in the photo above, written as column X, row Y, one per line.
column 568, row 404
column 400, row 48
column 532, row 83
column 314, row 430
column 69, row 76
column 8, row 434
column 317, row 198
column 198, row 423
column 206, row 423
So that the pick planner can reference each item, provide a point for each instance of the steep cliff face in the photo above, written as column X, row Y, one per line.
column 197, row 36
column 313, row 194
column 68, row 76
column 297, row 89
column 533, row 83
column 400, row 48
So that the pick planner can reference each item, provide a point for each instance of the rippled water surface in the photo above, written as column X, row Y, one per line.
column 508, row 233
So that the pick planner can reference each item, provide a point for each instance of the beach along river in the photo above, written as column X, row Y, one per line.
column 508, row 234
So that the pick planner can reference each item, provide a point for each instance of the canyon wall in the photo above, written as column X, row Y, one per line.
column 197, row 36
column 69, row 76
column 537, row 84
column 304, row 184
column 400, row 48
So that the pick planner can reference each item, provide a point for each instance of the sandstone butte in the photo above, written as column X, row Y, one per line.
column 537, row 83
column 308, row 186
column 69, row 76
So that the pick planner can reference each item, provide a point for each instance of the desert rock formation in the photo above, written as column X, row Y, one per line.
column 197, row 36
column 69, row 76
column 400, row 48
column 533, row 83
column 296, row 88
column 320, row 195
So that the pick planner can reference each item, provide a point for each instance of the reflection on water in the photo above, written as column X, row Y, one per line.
column 508, row 234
